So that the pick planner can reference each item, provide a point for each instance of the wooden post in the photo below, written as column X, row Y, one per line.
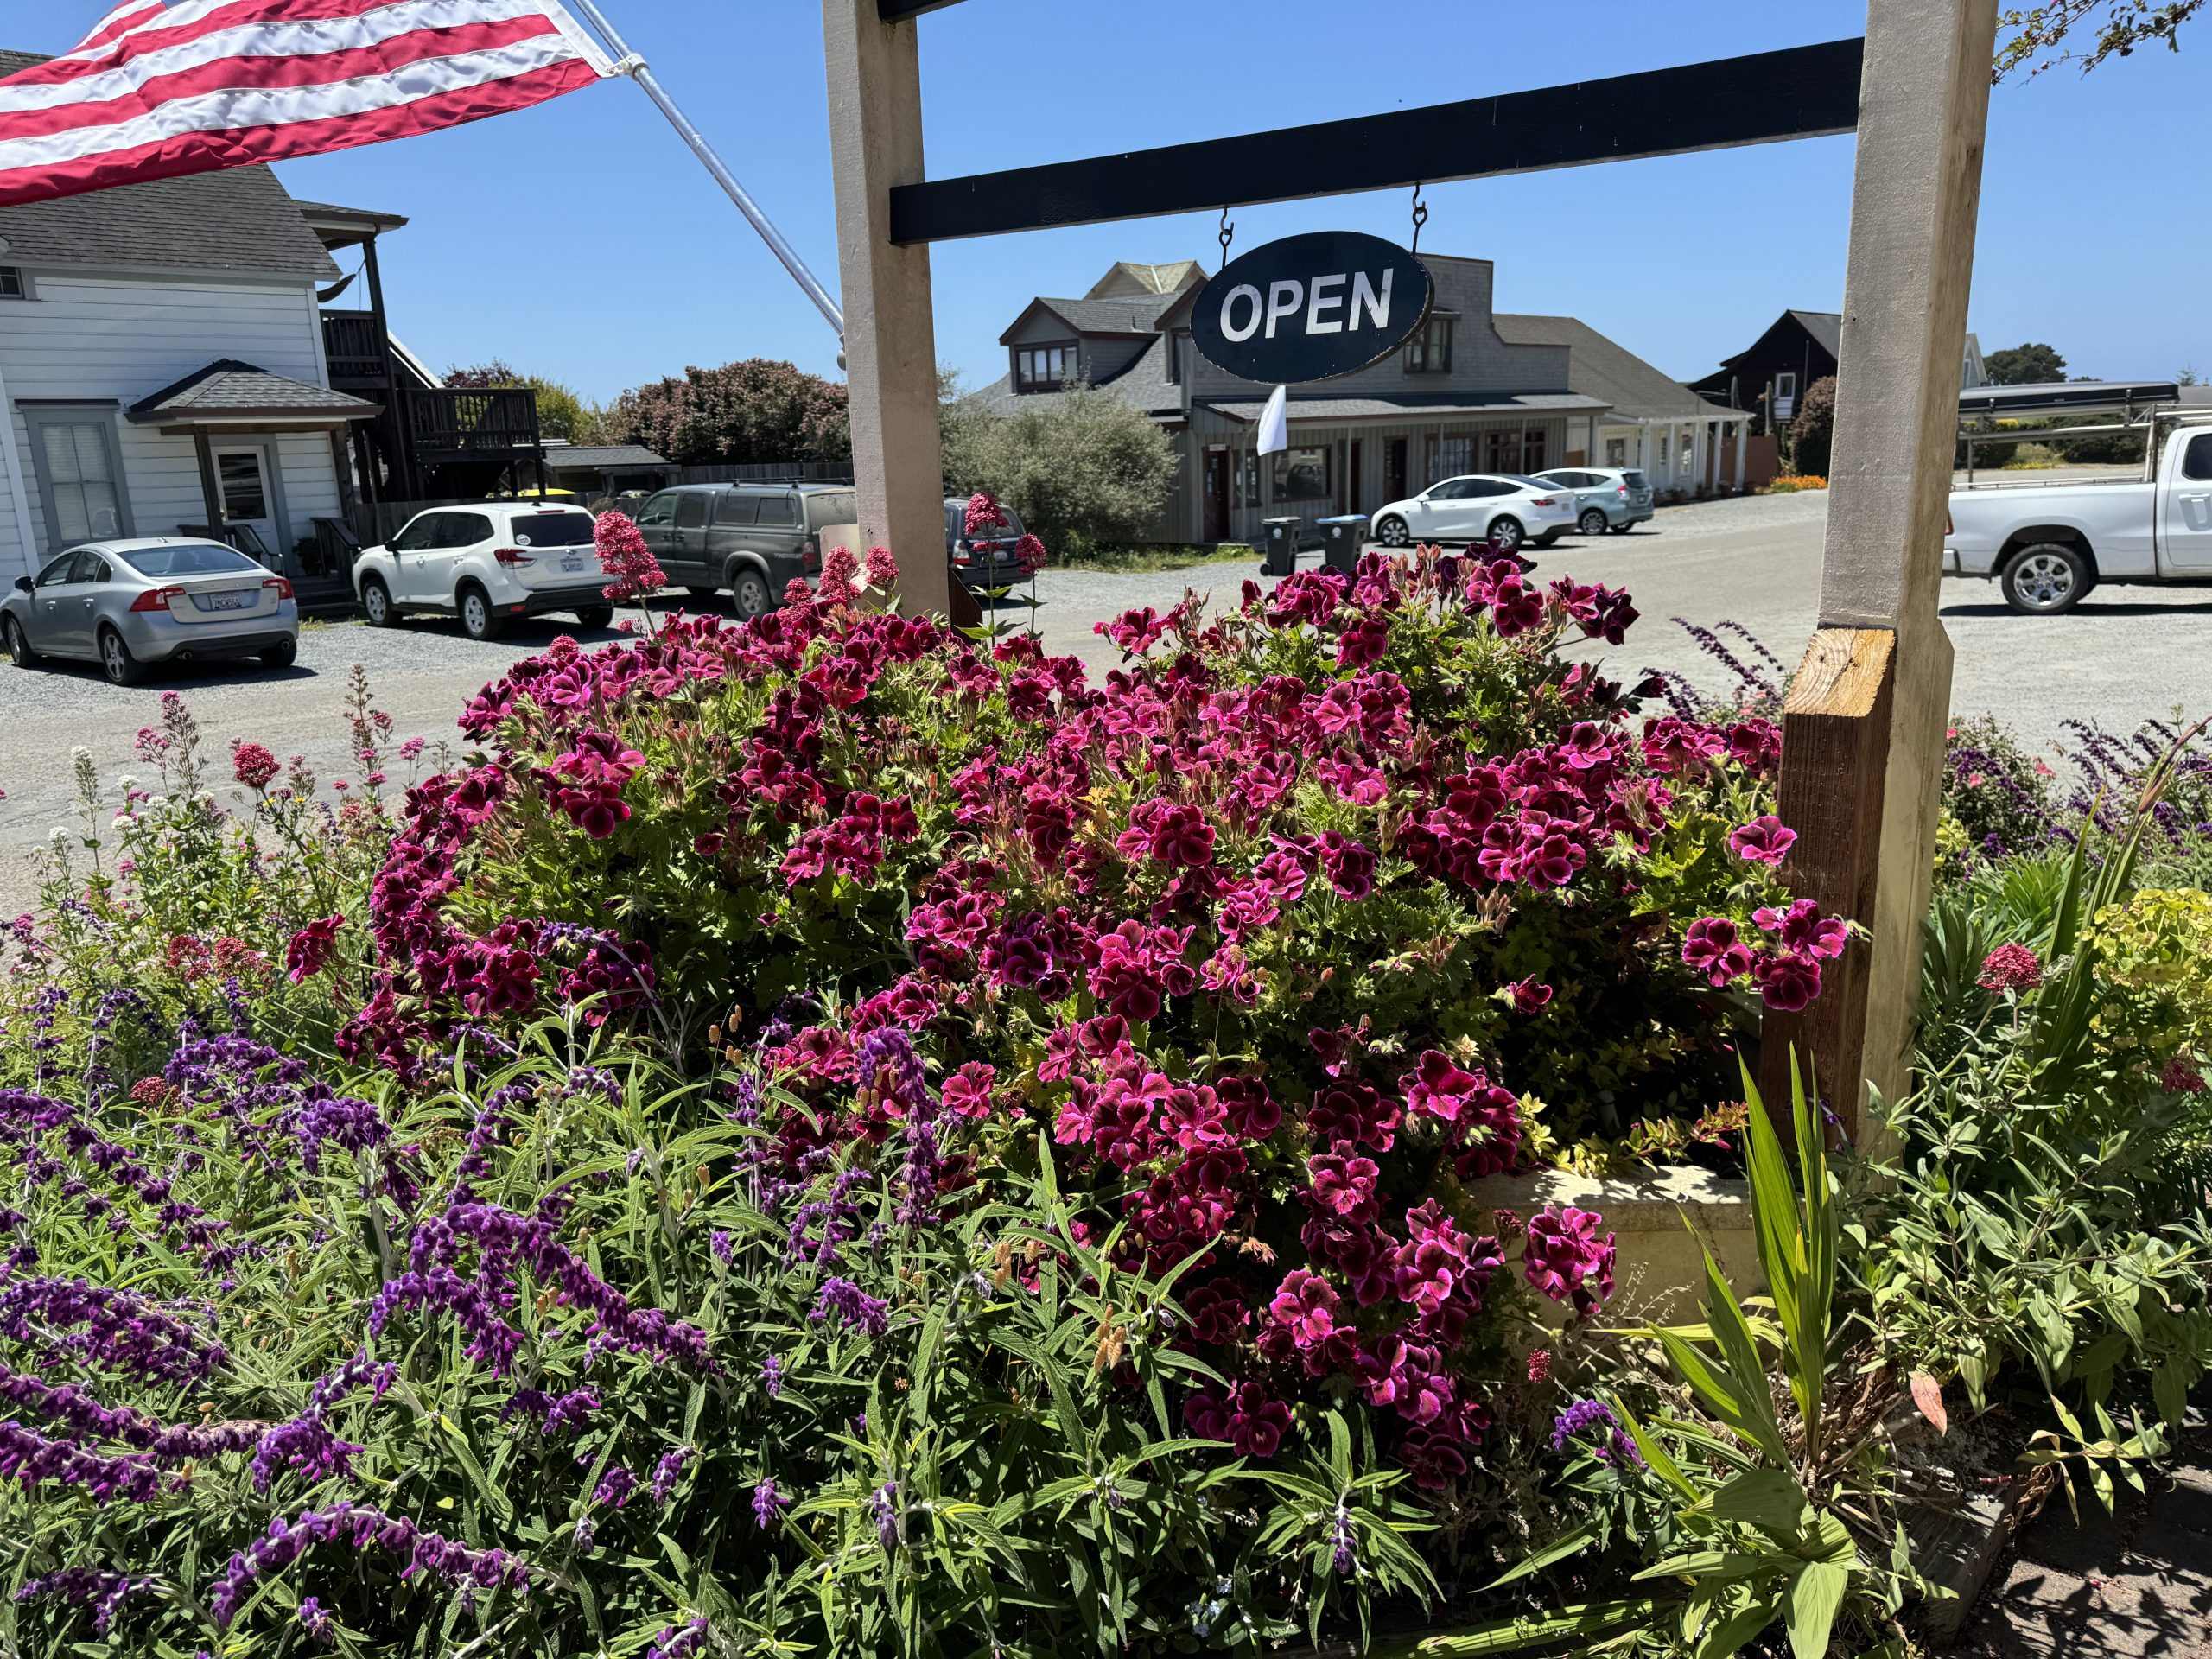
column 875, row 142
column 1863, row 730
column 211, row 489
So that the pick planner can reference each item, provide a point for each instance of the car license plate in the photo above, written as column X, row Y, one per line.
column 573, row 563
column 226, row 602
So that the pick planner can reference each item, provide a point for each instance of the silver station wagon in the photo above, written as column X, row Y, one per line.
column 130, row 605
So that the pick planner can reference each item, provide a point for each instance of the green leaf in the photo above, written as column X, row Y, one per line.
column 1810, row 1607
column 1567, row 1544
column 1768, row 1499
column 1508, row 1635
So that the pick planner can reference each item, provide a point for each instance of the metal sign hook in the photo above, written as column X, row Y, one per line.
column 1228, row 235
column 1421, row 218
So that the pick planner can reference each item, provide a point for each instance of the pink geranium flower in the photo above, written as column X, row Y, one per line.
column 1764, row 839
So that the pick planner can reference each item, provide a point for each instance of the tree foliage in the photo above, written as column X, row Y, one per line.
column 1811, row 435
column 1082, row 467
column 755, row 410
column 2040, row 37
column 2025, row 365
column 562, row 412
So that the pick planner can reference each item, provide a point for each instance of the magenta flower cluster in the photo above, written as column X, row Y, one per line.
column 1341, row 790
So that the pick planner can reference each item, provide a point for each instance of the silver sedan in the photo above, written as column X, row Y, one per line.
column 128, row 605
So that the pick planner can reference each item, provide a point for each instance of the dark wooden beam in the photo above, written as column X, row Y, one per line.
column 210, row 490
column 1804, row 91
column 898, row 11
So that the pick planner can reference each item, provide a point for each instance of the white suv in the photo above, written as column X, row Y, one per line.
column 486, row 564
column 1503, row 509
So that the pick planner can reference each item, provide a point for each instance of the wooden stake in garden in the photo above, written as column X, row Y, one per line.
column 1863, row 729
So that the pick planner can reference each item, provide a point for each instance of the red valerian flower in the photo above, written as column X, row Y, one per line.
column 623, row 556
column 253, row 765
column 841, row 577
column 882, row 570
column 2179, row 1077
column 984, row 515
column 1764, row 839
column 2009, row 968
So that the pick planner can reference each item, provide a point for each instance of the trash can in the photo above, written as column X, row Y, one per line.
column 1340, row 542
column 1278, row 547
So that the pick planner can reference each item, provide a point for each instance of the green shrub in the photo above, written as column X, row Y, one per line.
column 1083, row 466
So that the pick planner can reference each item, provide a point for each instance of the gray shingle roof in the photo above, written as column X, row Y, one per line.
column 1602, row 368
column 1136, row 314
column 1144, row 384
column 1825, row 327
column 237, row 219
column 1406, row 409
column 600, row 455
column 227, row 388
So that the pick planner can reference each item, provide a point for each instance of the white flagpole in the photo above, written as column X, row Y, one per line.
column 629, row 63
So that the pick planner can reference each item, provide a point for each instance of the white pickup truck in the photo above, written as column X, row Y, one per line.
column 2049, row 544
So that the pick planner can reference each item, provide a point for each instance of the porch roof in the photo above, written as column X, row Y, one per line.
column 1402, row 408
column 230, row 393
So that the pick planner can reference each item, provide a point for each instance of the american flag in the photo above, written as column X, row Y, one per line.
column 159, row 90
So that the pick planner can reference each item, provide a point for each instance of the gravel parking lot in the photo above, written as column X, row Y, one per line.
column 2128, row 654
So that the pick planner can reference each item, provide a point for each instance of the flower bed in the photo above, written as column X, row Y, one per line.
column 761, row 993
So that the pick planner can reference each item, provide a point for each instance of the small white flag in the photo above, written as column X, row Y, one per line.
column 1275, row 422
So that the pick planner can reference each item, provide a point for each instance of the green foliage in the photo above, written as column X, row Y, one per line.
column 2037, row 36
column 2031, row 364
column 1812, row 433
column 995, row 1463
column 1780, row 1510
column 754, row 411
column 562, row 412
column 2030, row 1213
column 1082, row 467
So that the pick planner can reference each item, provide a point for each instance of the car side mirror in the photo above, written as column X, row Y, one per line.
column 25, row 584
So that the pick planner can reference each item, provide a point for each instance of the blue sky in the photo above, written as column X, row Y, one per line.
column 580, row 240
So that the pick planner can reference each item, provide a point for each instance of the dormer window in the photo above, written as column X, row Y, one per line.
column 1043, row 368
column 1429, row 351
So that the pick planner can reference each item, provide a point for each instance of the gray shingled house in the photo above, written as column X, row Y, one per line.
column 166, row 363
column 1471, row 392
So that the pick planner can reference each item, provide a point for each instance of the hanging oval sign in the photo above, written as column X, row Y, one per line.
column 1311, row 307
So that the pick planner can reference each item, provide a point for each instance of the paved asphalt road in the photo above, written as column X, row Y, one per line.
column 2129, row 653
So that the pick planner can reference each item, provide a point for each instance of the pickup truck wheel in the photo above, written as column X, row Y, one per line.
column 748, row 594
column 2046, row 579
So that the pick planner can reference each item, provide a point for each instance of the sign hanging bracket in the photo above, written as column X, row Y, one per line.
column 1228, row 235
column 1421, row 218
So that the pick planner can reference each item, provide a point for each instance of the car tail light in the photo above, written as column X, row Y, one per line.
column 1543, row 501
column 155, row 599
column 511, row 555
column 962, row 554
column 282, row 586
column 810, row 554
column 1622, row 490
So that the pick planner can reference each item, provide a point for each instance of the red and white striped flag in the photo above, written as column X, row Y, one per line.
column 159, row 90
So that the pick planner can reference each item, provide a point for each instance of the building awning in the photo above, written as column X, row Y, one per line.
column 1334, row 410
column 231, row 394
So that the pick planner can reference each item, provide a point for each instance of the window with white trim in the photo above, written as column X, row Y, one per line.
column 14, row 285
column 1043, row 368
column 79, row 478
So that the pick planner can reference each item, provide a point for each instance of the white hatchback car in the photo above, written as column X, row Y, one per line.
column 1503, row 509
column 486, row 564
